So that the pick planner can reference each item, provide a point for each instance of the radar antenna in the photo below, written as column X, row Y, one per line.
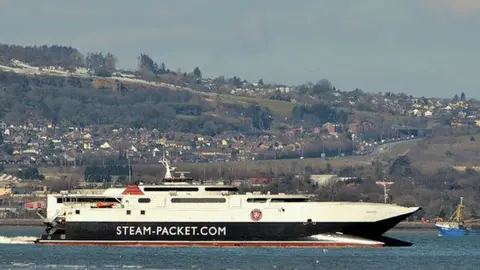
column 166, row 164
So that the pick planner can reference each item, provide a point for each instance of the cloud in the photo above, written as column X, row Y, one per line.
column 455, row 7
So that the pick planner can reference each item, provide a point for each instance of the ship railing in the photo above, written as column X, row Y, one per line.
column 119, row 204
column 90, row 191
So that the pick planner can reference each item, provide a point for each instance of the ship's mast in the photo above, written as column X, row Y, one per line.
column 385, row 192
column 459, row 217
column 164, row 161
column 129, row 171
column 166, row 164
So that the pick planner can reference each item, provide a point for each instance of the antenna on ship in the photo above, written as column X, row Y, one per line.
column 166, row 164
column 164, row 161
column 385, row 191
column 129, row 171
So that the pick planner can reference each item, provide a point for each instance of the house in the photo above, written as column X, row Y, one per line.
column 416, row 112
column 319, row 130
column 428, row 113
column 332, row 128
column 259, row 181
column 360, row 127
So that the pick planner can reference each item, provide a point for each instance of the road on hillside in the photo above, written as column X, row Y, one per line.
column 385, row 148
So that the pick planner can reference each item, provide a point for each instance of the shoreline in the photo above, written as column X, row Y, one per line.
column 402, row 226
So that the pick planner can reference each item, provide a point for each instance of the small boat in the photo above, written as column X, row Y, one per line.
column 455, row 226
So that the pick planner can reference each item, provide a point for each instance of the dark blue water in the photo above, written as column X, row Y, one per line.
column 429, row 252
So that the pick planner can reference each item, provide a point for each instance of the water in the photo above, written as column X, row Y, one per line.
column 429, row 252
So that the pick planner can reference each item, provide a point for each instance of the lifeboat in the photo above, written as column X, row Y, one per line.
column 105, row 204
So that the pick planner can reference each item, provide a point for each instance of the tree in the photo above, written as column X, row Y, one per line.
column 462, row 97
column 102, row 65
column 146, row 64
column 321, row 87
column 401, row 167
column 261, row 117
column 197, row 73
column 329, row 168
column 110, row 62
column 162, row 69
column 260, row 82
column 456, row 98
column 1, row 137
column 236, row 81
column 210, row 128
column 319, row 112
column 8, row 149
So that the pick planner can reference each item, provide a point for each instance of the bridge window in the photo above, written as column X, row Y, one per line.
column 142, row 212
column 198, row 200
column 221, row 189
column 185, row 189
column 77, row 212
column 257, row 200
column 144, row 200
column 289, row 200
column 129, row 212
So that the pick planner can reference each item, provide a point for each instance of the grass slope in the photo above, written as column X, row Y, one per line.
column 278, row 107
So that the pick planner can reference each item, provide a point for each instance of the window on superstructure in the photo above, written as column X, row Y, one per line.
column 77, row 212
column 234, row 189
column 184, row 189
column 144, row 200
column 289, row 199
column 142, row 212
column 198, row 200
column 129, row 212
column 86, row 199
column 257, row 200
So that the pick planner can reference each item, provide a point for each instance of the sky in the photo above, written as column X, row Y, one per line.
column 419, row 47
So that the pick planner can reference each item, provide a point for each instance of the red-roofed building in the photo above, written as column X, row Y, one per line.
column 259, row 181
column 35, row 205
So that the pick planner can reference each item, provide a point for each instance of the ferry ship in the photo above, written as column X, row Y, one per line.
column 181, row 212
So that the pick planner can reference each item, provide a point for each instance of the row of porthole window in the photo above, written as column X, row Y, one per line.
column 142, row 212
column 188, row 200
column 223, row 200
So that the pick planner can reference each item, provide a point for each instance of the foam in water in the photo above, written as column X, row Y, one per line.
column 17, row 239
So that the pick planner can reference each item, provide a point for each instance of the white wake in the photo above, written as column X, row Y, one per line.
column 17, row 239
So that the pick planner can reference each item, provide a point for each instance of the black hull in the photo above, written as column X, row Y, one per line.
column 219, row 231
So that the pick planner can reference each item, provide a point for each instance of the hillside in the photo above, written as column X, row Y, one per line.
column 441, row 151
column 61, row 85
column 80, row 98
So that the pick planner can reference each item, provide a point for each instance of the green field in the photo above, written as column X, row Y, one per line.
column 280, row 166
column 278, row 107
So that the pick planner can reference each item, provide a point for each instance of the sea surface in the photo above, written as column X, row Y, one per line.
column 430, row 251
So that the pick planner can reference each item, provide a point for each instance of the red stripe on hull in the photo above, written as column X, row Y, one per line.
column 211, row 243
